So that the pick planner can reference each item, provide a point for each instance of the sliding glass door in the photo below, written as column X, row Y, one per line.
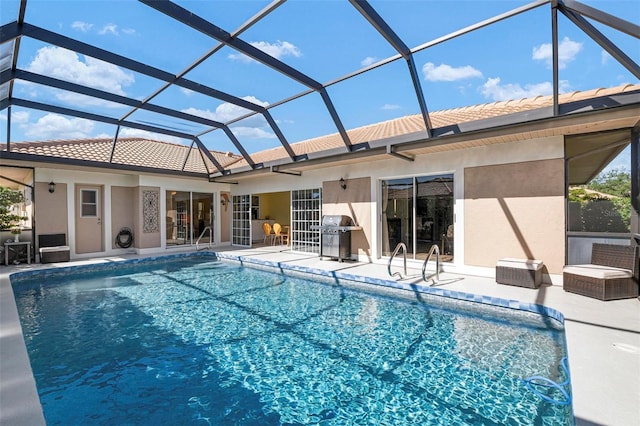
column 418, row 212
column 188, row 214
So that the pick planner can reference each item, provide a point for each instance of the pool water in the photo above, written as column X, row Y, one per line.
column 199, row 341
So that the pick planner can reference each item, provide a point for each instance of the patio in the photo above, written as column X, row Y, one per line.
column 603, row 338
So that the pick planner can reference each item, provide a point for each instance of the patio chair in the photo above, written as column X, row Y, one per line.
column 612, row 273
column 277, row 234
column 53, row 248
column 266, row 228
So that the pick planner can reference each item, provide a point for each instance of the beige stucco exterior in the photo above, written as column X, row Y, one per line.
column 355, row 202
column 53, row 218
column 515, row 210
column 122, row 212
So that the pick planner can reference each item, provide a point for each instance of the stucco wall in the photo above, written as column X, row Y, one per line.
column 51, row 209
column 122, row 216
column 515, row 210
column 355, row 202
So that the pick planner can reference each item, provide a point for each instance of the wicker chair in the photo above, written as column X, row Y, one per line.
column 612, row 274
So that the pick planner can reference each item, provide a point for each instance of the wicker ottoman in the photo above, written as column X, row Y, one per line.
column 519, row 272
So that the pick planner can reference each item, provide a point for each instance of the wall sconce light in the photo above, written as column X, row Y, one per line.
column 52, row 187
column 343, row 184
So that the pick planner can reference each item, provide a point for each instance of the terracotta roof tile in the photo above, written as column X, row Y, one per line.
column 137, row 152
column 413, row 123
column 164, row 155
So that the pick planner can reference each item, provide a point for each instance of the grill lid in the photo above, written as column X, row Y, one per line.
column 336, row 220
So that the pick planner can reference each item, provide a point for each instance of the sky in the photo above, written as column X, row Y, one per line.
column 325, row 40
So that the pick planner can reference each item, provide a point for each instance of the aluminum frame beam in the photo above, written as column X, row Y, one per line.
column 604, row 18
column 601, row 39
column 97, row 117
column 200, row 24
column 13, row 31
column 380, row 25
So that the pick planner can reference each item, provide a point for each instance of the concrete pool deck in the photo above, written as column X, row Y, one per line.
column 603, row 338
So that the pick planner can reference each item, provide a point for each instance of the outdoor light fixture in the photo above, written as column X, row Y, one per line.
column 52, row 187
column 343, row 184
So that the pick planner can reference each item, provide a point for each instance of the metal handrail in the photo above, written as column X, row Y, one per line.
column 402, row 246
column 434, row 249
column 202, row 234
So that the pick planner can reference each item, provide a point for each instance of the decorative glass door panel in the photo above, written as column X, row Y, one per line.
column 241, row 222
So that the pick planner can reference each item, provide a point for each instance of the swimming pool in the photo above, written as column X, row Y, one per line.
column 193, row 340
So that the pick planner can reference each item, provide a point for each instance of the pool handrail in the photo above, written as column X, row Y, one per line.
column 202, row 234
column 402, row 246
column 434, row 250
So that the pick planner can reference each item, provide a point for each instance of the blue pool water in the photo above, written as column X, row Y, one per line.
column 192, row 340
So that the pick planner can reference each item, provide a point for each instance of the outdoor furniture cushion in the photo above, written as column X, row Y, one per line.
column 598, row 271
column 519, row 272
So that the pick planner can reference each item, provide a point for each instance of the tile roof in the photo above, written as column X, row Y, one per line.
column 414, row 123
column 140, row 152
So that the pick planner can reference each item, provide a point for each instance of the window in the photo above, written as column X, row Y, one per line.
column 88, row 203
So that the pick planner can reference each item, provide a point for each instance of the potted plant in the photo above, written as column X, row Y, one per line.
column 16, row 231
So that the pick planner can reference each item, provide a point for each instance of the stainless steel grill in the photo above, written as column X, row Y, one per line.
column 335, row 231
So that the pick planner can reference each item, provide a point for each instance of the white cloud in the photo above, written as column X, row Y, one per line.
column 81, row 26
column 278, row 50
column 390, row 106
column 567, row 52
column 128, row 31
column 128, row 132
column 186, row 92
column 67, row 65
column 54, row 126
column 20, row 117
column 368, row 61
column 494, row 90
column 605, row 57
column 251, row 133
column 109, row 29
column 253, row 127
column 445, row 72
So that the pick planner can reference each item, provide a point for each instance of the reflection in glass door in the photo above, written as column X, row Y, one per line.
column 418, row 212
column 202, row 207
column 397, row 214
column 187, row 215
